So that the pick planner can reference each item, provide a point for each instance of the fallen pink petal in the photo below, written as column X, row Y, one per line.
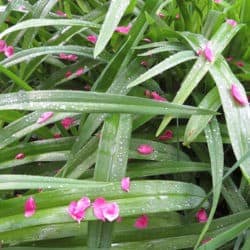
column 231, row 22
column 9, row 51
column 61, row 13
column 76, row 209
column 3, row 45
column 98, row 205
column 80, row 71
column 240, row 64
column 217, row 1
column 111, row 211
column 141, row 222
column 72, row 57
column 68, row 74
column 208, row 53
column 123, row 29
column 29, row 207
column 201, row 216
column 67, row 122
column 238, row 96
column 145, row 149
column 92, row 39
column 125, row 184
column 157, row 97
column 20, row 156
column 167, row 135
column 45, row 117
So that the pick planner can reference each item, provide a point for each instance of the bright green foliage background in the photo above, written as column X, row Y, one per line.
column 205, row 165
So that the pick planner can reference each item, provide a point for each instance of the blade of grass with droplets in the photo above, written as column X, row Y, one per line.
column 197, row 124
column 239, row 132
column 111, row 165
column 219, row 41
column 42, row 22
column 166, row 64
column 215, row 148
column 48, row 50
column 226, row 236
column 112, row 19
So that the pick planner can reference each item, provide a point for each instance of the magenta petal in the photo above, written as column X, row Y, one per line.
column 145, row 149
column 77, row 209
column 67, row 122
column 20, row 156
column 61, row 13
column 92, row 39
column 123, row 29
column 209, row 55
column 44, row 117
column 98, row 205
column 157, row 97
column 238, row 96
column 201, row 215
column 80, row 71
column 231, row 22
column 125, row 184
column 168, row 134
column 3, row 45
column 29, row 207
column 111, row 211
column 141, row 222
column 9, row 51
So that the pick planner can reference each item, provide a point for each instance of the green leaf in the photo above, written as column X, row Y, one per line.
column 112, row 19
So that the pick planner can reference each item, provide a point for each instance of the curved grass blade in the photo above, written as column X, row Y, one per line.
column 112, row 19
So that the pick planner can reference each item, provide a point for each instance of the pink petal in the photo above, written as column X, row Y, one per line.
column 123, row 29
column 209, row 55
column 145, row 149
column 157, row 97
column 168, row 134
column 217, row 1
column 92, row 39
column 240, row 64
column 68, row 74
column 201, row 215
column 141, row 222
column 199, row 52
column 9, row 51
column 57, row 135
column 231, row 22
column 61, row 13
column 3, row 45
column 238, row 96
column 80, row 71
column 29, row 207
column 19, row 156
column 72, row 57
column 125, row 184
column 67, row 122
column 63, row 56
column 44, row 117
column 98, row 205
column 111, row 211
column 77, row 209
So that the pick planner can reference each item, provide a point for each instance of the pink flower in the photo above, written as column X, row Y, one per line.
column 76, row 209
column 111, row 211
column 201, row 215
column 141, row 222
column 123, row 29
column 68, row 74
column 217, row 1
column 157, row 97
column 67, row 122
column 63, row 56
column 44, row 117
column 72, row 57
column 92, row 39
column 125, row 184
column 80, row 71
column 105, row 210
column 61, row 13
column 20, row 156
column 168, row 134
column 147, row 40
column 2, row 45
column 231, row 22
column 238, row 96
column 9, row 51
column 29, row 207
column 145, row 149
column 240, row 64
column 209, row 55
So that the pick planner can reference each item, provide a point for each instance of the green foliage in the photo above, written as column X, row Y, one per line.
column 154, row 86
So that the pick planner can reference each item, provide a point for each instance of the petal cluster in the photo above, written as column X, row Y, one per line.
column 7, row 50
